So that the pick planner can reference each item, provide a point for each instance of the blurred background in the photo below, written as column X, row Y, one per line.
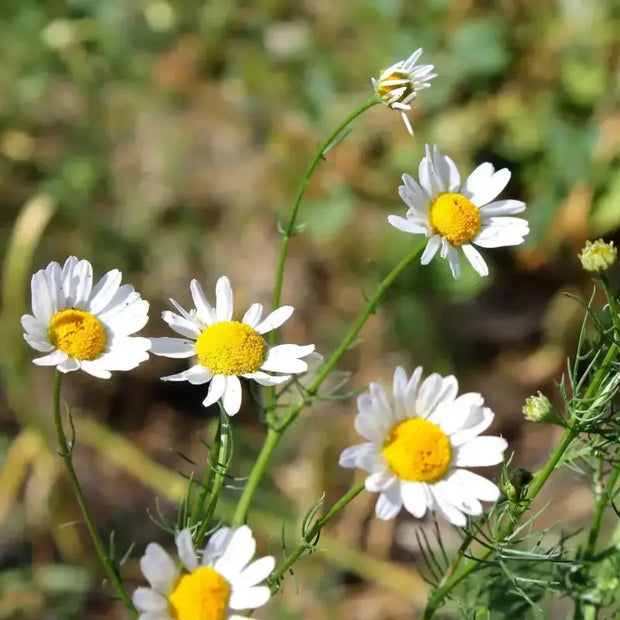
column 167, row 138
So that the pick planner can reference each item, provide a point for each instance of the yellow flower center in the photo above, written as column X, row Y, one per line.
column 200, row 595
column 231, row 348
column 385, row 90
column 77, row 333
column 418, row 451
column 456, row 218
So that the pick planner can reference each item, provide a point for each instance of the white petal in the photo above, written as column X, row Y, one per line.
column 253, row 315
column 431, row 249
column 428, row 395
column 479, row 419
column 389, row 502
column 457, row 495
column 416, row 196
column 204, row 309
column 407, row 122
column 447, row 510
column 132, row 319
column 351, row 456
column 238, row 553
column 490, row 190
column 407, row 225
column 275, row 319
column 453, row 260
column 475, row 259
column 231, row 399
column 411, row 392
column 255, row 573
column 428, row 175
column 454, row 415
column 249, row 598
column 70, row 364
column 216, row 546
column 414, row 498
column 158, row 568
column 399, row 388
column 196, row 375
column 181, row 325
column 122, row 299
column 52, row 359
column 104, row 291
column 477, row 485
column 186, row 551
column 477, row 179
column 216, row 390
column 481, row 451
column 43, row 306
column 83, row 284
column 223, row 299
column 502, row 207
column 173, row 347
column 262, row 378
column 146, row 599
column 378, row 481
column 38, row 343
column 93, row 369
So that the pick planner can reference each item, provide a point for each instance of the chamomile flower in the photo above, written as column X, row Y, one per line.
column 84, row 327
column 419, row 445
column 399, row 84
column 459, row 215
column 224, row 350
column 221, row 583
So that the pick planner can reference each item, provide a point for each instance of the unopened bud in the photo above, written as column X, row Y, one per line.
column 598, row 255
column 539, row 409
column 514, row 484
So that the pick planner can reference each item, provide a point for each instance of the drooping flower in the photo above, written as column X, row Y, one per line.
column 84, row 327
column 399, row 84
column 223, row 581
column 459, row 215
column 225, row 350
column 420, row 444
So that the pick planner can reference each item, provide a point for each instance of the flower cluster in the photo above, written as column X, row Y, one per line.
column 419, row 444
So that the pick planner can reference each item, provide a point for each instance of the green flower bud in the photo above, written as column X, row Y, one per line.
column 539, row 409
column 514, row 484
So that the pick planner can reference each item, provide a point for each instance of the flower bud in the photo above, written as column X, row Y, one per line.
column 514, row 483
column 598, row 255
column 539, row 409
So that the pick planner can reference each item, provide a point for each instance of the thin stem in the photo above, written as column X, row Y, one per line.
column 221, row 471
column 207, row 476
column 274, row 433
column 287, row 233
column 308, row 541
column 66, row 454
column 256, row 475
column 318, row 156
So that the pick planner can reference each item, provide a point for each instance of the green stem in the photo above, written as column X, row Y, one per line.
column 221, row 470
column 207, row 476
column 66, row 454
column 308, row 540
column 287, row 233
column 274, row 433
column 319, row 155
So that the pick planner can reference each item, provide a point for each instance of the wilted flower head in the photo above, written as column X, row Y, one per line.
column 398, row 85
column 598, row 255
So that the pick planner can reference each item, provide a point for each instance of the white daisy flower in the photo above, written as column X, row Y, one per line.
column 81, row 326
column 225, row 350
column 399, row 84
column 456, row 215
column 419, row 445
column 210, row 589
